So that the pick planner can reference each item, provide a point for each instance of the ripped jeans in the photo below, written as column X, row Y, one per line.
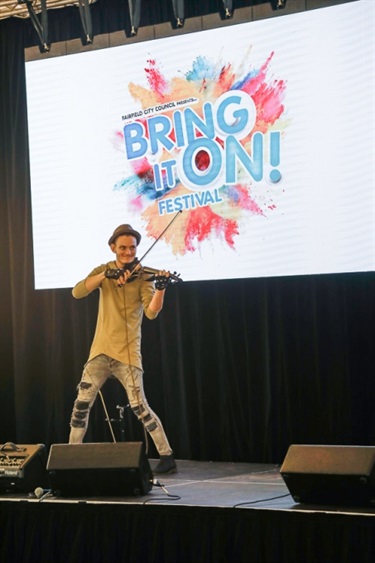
column 95, row 374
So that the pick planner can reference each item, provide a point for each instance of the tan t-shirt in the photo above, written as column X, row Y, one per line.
column 120, row 314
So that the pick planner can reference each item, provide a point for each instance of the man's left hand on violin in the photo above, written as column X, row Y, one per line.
column 162, row 280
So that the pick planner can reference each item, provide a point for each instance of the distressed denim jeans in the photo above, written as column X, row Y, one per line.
column 95, row 374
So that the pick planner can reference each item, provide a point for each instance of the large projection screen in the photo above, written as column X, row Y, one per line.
column 253, row 145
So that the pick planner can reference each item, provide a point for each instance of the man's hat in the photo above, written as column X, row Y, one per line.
column 124, row 230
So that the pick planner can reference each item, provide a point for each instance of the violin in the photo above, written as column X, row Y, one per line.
column 137, row 270
column 154, row 274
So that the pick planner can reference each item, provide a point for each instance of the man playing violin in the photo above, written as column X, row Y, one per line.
column 125, row 296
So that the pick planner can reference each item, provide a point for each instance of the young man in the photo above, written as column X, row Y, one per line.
column 116, row 347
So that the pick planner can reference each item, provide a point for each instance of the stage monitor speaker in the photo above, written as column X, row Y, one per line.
column 23, row 468
column 334, row 475
column 99, row 469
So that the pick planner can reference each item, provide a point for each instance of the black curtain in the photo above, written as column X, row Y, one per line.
column 99, row 532
column 237, row 370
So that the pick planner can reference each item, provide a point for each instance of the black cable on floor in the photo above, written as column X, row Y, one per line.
column 260, row 500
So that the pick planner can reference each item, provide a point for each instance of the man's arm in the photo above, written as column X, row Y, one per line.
column 157, row 301
column 93, row 282
column 86, row 286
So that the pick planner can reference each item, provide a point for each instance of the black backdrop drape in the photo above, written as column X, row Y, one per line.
column 237, row 370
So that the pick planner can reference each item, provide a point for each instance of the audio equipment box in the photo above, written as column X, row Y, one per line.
column 96, row 469
column 22, row 467
column 335, row 475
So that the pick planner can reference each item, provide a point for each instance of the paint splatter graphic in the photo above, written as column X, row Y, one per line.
column 205, row 82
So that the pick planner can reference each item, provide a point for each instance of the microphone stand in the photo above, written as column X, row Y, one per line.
column 120, row 420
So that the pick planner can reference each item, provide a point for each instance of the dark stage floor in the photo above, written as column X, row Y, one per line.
column 210, row 484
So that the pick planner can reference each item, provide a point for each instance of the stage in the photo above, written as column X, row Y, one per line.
column 206, row 512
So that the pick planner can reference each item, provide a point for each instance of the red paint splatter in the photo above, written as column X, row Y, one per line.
column 202, row 160
column 141, row 167
column 226, row 78
column 143, row 170
column 268, row 102
column 204, row 221
column 136, row 204
column 155, row 78
column 267, row 98
column 255, row 82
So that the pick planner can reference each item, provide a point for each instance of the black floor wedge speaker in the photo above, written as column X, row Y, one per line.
column 99, row 469
column 330, row 475
column 23, row 467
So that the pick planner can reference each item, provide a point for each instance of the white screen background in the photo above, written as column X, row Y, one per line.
column 322, row 215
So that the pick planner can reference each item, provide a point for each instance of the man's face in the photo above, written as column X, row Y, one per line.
column 125, row 248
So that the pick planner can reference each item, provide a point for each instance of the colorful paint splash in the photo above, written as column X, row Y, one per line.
column 205, row 81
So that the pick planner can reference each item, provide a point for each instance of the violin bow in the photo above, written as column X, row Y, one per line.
column 138, row 265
